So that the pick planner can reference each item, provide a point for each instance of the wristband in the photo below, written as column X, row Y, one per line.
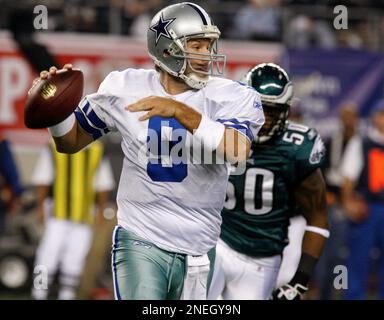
column 62, row 128
column 321, row 231
column 210, row 133
column 304, row 270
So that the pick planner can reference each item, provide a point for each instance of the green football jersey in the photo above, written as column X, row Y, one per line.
column 260, row 202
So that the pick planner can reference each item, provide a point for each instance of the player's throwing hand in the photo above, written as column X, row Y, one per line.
column 53, row 70
column 157, row 106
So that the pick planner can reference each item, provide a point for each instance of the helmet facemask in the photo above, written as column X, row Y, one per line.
column 197, row 79
column 275, row 121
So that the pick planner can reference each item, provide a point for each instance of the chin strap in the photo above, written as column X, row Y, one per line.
column 194, row 81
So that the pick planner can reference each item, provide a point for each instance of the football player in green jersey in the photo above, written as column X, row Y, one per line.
column 282, row 176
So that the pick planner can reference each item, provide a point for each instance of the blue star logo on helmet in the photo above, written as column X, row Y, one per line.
column 161, row 28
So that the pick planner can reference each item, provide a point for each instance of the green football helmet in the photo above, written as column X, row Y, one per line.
column 276, row 93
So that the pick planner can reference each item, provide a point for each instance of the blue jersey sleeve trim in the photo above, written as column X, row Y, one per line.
column 93, row 117
column 248, row 133
column 241, row 126
column 96, row 134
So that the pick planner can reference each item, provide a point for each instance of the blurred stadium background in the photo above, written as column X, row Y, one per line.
column 329, row 67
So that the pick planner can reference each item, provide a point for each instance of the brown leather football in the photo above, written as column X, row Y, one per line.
column 52, row 100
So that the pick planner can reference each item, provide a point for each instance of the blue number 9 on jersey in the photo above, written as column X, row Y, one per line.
column 166, row 141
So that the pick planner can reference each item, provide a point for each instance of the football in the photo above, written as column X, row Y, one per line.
column 52, row 100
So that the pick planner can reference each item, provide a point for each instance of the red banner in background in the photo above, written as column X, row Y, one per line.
column 96, row 56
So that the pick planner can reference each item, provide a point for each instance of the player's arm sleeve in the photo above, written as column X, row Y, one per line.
column 352, row 161
column 94, row 113
column 310, row 156
column 244, row 114
column 104, row 180
column 42, row 174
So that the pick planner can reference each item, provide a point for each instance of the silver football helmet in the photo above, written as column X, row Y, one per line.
column 167, row 37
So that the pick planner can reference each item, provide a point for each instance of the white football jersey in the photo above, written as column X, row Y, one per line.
column 175, row 206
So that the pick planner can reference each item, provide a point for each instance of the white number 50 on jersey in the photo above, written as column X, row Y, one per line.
column 250, row 191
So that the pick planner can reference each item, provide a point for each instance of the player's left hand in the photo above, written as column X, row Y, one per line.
column 157, row 106
column 289, row 292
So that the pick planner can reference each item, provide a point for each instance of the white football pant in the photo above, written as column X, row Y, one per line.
column 239, row 277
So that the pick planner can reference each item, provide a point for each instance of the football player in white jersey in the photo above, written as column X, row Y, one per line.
column 169, row 205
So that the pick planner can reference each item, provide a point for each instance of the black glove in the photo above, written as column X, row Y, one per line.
column 289, row 291
column 298, row 285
